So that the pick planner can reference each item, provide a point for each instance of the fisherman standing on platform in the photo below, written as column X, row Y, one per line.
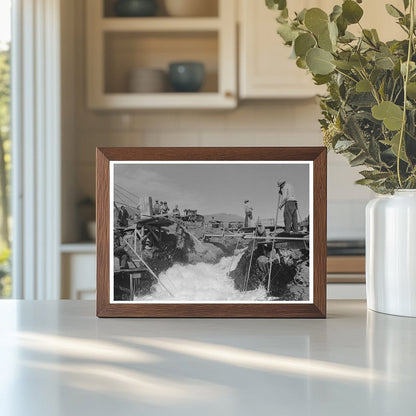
column 139, row 212
column 119, row 250
column 156, row 208
column 164, row 208
column 288, row 200
column 176, row 213
column 248, row 217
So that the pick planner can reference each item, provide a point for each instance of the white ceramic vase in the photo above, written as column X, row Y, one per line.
column 391, row 253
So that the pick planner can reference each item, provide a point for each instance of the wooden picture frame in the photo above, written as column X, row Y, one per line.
column 253, row 159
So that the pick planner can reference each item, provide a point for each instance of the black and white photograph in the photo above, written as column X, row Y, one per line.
column 235, row 232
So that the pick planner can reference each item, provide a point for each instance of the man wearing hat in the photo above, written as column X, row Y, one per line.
column 164, row 208
column 288, row 200
column 123, row 217
column 156, row 208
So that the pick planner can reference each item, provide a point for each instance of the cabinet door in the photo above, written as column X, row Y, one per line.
column 78, row 276
column 265, row 68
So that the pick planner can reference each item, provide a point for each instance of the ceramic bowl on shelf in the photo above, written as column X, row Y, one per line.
column 147, row 81
column 186, row 76
column 191, row 8
column 135, row 8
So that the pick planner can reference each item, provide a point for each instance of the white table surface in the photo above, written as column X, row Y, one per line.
column 57, row 358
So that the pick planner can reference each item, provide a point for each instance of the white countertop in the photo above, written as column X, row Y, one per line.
column 57, row 358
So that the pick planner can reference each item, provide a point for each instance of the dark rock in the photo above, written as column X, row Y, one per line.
column 288, row 274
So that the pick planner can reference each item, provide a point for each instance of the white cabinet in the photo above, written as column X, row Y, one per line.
column 118, row 45
column 265, row 69
column 78, row 262
column 264, row 66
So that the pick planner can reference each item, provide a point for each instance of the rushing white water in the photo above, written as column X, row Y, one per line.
column 202, row 282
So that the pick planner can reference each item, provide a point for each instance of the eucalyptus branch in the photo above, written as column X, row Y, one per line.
column 373, row 88
column 365, row 61
column 392, row 90
column 346, row 75
column 406, row 80
column 398, row 95
column 404, row 28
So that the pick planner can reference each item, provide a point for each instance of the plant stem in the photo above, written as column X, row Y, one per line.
column 373, row 88
column 406, row 80
column 346, row 75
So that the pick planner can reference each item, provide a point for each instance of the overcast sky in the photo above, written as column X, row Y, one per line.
column 215, row 188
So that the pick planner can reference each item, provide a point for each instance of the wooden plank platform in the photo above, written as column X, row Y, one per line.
column 155, row 221
column 131, row 271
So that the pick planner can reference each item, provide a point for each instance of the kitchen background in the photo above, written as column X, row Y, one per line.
column 274, row 107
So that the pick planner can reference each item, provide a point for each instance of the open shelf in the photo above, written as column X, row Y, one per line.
column 127, row 51
column 119, row 45
column 165, row 101
column 211, row 9
column 160, row 24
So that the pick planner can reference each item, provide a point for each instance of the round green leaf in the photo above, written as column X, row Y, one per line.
column 301, row 63
column 384, row 62
column 287, row 33
column 333, row 32
column 351, row 11
column 328, row 38
column 301, row 15
column 347, row 37
column 344, row 65
column 276, row 4
column 391, row 114
column 325, row 42
column 395, row 144
column 319, row 61
column 342, row 25
column 393, row 11
column 316, row 20
column 336, row 12
column 322, row 79
column 303, row 43
column 358, row 61
column 411, row 90
column 363, row 86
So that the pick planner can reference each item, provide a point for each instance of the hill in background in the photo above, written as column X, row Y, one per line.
column 223, row 217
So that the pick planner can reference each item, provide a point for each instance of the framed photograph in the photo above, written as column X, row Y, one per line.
column 211, row 232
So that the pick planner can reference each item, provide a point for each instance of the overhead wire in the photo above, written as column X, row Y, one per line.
column 126, row 194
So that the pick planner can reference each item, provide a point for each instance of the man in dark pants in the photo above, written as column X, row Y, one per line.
column 123, row 217
column 288, row 200
column 248, row 213
column 119, row 250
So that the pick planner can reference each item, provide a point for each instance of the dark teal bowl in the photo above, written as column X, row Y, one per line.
column 135, row 8
column 186, row 76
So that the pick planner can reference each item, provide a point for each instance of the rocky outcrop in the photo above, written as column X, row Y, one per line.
column 289, row 276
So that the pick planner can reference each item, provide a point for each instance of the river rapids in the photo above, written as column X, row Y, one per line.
column 201, row 282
